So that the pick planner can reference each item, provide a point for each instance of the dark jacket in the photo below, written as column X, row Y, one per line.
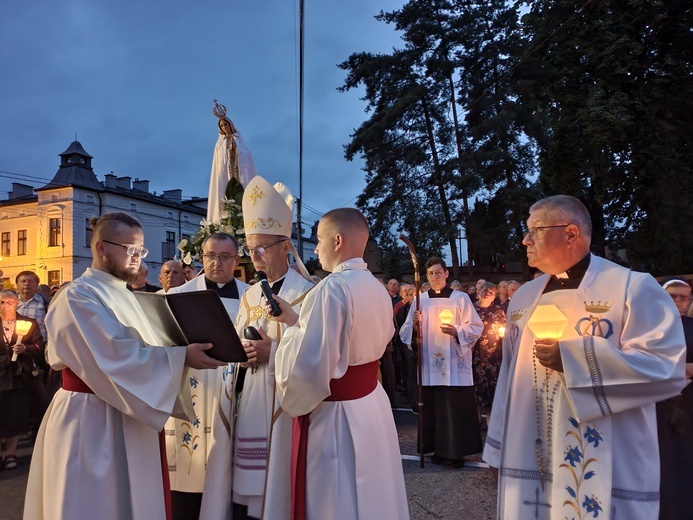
column 9, row 377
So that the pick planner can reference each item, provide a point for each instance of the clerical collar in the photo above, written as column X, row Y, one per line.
column 570, row 279
column 226, row 290
column 277, row 284
column 445, row 292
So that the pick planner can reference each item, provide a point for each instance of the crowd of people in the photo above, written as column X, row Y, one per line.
column 580, row 408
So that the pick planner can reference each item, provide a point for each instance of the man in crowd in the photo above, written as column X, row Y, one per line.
column 406, row 358
column 451, row 424
column 98, row 452
column 326, row 372
column 393, row 290
column 188, row 442
column 31, row 303
column 171, row 275
column 140, row 283
column 189, row 271
column 241, row 455
column 570, row 413
column 680, row 292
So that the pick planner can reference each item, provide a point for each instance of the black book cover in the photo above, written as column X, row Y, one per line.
column 193, row 317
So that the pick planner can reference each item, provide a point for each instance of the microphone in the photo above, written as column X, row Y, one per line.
column 261, row 278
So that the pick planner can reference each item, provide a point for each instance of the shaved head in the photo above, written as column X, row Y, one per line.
column 109, row 225
column 342, row 234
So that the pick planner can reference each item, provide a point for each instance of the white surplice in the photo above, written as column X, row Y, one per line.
column 446, row 362
column 97, row 455
column 241, row 466
column 622, row 351
column 220, row 176
column 354, row 468
column 188, row 442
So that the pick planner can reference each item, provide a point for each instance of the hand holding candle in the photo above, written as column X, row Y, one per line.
column 21, row 328
column 548, row 324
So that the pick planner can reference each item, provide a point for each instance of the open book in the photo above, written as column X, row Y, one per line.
column 193, row 317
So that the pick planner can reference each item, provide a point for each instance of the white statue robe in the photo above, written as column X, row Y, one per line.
column 622, row 351
column 445, row 362
column 242, row 465
column 220, row 176
column 188, row 442
column 354, row 469
column 97, row 455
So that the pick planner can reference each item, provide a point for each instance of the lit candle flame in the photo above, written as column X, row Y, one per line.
column 446, row 316
column 547, row 322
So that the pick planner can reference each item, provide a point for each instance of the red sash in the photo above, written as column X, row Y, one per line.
column 357, row 382
column 72, row 383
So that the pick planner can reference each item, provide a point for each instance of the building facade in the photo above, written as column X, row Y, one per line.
column 49, row 233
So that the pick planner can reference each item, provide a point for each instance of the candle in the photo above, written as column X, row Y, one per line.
column 548, row 322
column 21, row 328
column 446, row 316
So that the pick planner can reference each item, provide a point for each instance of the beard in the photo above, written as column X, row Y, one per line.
column 120, row 272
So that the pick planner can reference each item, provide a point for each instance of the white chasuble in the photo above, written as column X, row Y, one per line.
column 97, row 455
column 188, row 442
column 583, row 443
column 446, row 361
column 239, row 469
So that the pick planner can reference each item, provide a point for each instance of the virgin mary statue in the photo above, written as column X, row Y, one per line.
column 231, row 159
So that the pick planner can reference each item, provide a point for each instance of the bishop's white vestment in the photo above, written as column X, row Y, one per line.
column 240, row 467
column 98, row 455
column 594, row 424
column 188, row 442
column 354, row 470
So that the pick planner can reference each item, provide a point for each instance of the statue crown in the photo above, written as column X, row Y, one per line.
column 219, row 110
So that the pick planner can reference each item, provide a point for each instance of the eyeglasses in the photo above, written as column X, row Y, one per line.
column 208, row 257
column 532, row 232
column 131, row 249
column 435, row 274
column 261, row 250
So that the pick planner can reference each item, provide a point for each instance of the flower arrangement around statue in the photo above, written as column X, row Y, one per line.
column 231, row 222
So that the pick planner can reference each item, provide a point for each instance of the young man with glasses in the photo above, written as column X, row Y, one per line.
column 589, row 348
column 98, row 451
column 450, row 327
column 189, row 454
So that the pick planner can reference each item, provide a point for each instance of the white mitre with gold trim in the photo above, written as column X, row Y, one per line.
column 269, row 210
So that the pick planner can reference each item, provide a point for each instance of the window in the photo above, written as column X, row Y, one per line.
column 168, row 248
column 54, row 234
column 186, row 218
column 90, row 199
column 53, row 278
column 89, row 232
column 170, row 215
column 21, row 242
column 5, row 248
column 133, row 206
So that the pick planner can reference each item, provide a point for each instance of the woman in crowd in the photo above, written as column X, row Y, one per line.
column 17, row 376
column 487, row 353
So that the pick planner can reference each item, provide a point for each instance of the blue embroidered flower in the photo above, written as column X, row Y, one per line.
column 573, row 455
column 225, row 373
column 194, row 447
column 571, row 491
column 591, row 505
column 573, row 422
column 196, row 423
column 593, row 436
column 194, row 382
column 187, row 437
column 589, row 475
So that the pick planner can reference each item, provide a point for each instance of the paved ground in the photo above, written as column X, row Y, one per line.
column 435, row 492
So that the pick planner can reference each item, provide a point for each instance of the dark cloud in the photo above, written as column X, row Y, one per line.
column 135, row 82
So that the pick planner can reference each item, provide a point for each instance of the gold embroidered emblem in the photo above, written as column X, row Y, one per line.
column 598, row 308
column 255, row 195
column 517, row 315
column 258, row 312
column 262, row 223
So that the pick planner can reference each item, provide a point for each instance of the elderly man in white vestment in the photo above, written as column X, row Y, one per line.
column 589, row 348
column 345, row 454
column 98, row 451
column 188, row 442
column 242, row 460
